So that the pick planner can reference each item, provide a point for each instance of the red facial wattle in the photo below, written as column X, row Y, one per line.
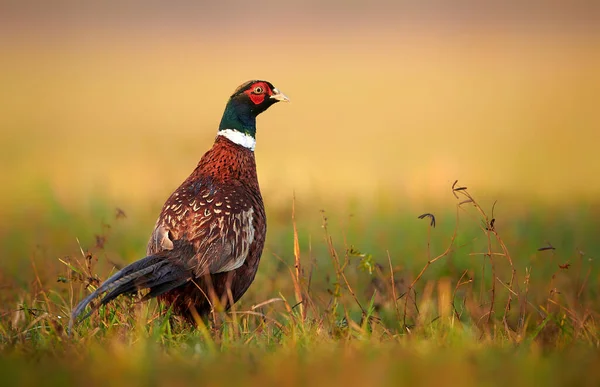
column 259, row 98
column 256, row 98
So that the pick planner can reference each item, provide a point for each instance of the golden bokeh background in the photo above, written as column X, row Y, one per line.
column 389, row 100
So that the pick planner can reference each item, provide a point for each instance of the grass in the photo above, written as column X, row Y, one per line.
column 476, row 300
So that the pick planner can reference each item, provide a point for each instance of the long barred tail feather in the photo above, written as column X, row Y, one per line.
column 156, row 272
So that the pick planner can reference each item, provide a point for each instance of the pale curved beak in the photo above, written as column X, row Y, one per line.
column 279, row 96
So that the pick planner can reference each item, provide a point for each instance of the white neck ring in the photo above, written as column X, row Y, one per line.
column 239, row 138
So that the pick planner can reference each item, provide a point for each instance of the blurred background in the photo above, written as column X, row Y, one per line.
column 115, row 102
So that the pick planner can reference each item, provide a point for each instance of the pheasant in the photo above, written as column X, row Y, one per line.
column 208, row 239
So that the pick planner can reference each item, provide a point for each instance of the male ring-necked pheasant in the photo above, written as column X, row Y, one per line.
column 211, row 231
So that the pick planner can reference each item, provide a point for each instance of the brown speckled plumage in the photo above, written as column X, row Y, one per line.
column 220, row 211
column 210, row 234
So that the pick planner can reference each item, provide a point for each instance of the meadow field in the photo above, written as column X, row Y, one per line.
column 493, row 132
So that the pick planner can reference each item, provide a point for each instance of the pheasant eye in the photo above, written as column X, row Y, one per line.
column 258, row 90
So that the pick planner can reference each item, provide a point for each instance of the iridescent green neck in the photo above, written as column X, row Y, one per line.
column 237, row 116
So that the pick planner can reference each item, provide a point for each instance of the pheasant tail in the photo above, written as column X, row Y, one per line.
column 157, row 272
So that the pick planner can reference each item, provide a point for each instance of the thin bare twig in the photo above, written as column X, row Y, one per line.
column 429, row 262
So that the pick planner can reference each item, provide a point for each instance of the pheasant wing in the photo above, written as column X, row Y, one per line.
column 220, row 224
